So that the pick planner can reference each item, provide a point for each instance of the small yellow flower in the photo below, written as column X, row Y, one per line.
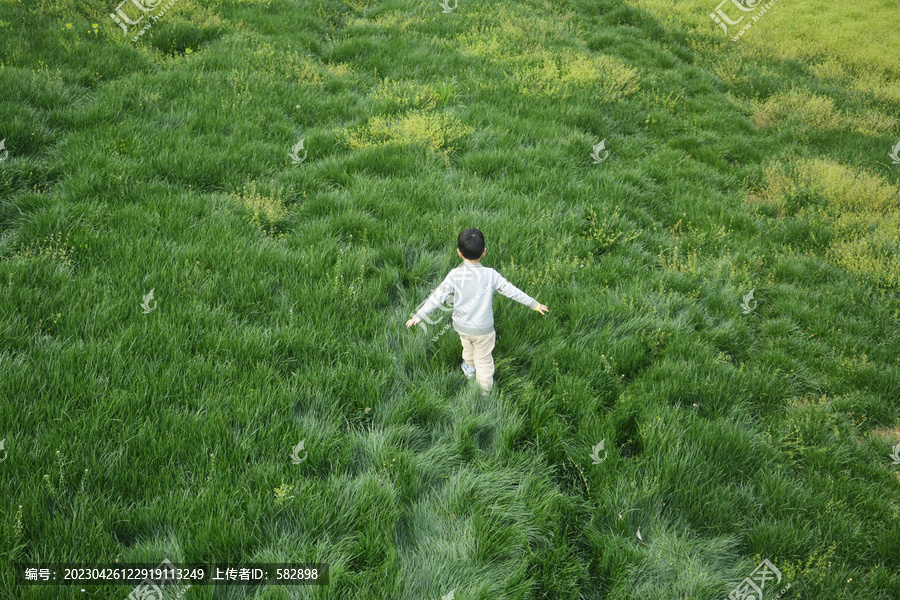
column 188, row 51
column 68, row 26
column 94, row 26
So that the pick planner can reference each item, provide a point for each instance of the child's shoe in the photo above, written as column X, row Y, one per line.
column 469, row 371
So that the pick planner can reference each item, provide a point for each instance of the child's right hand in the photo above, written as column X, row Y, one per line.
column 542, row 308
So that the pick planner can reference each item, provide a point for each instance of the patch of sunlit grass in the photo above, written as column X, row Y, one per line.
column 437, row 131
column 861, row 209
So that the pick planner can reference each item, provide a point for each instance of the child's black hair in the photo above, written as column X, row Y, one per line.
column 471, row 243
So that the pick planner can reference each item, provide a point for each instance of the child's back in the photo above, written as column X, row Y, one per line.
column 472, row 287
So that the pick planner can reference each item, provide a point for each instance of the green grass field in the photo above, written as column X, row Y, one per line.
column 732, row 435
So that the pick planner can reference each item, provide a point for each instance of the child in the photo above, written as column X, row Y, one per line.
column 473, row 287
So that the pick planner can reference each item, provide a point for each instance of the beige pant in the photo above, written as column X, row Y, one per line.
column 477, row 353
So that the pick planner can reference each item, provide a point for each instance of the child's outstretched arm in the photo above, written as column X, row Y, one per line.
column 437, row 298
column 510, row 291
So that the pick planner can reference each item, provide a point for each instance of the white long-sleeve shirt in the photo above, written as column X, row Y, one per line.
column 472, row 286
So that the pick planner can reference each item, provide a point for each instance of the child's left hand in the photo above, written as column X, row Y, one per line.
column 413, row 321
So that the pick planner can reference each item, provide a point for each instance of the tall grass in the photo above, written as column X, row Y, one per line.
column 281, row 289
